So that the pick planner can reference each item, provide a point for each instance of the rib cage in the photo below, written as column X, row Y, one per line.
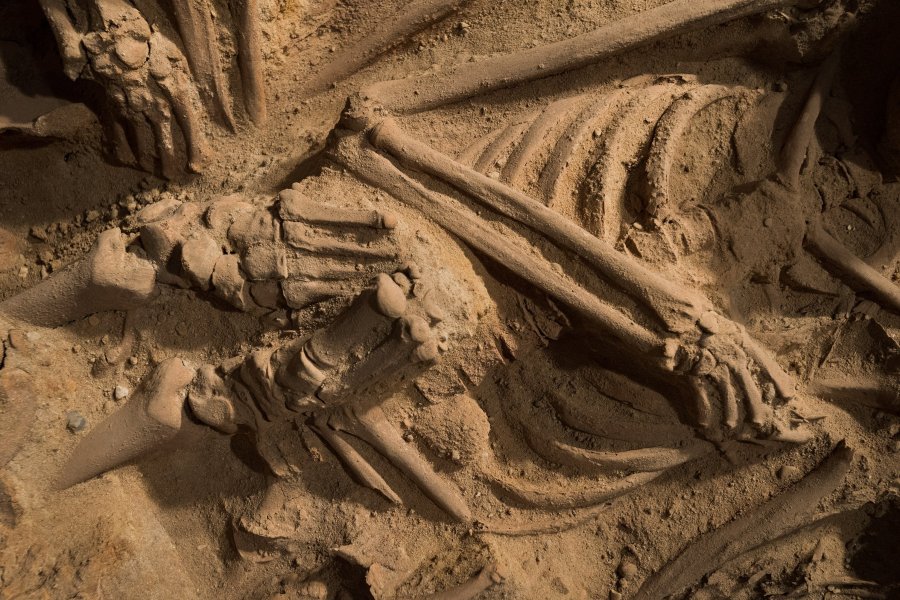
column 585, row 154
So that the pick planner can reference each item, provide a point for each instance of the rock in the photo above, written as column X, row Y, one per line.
column 627, row 569
column 788, row 472
column 121, row 392
column 75, row 422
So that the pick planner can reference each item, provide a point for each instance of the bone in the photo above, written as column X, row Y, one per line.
column 299, row 293
column 18, row 404
column 794, row 151
column 489, row 158
column 758, row 525
column 198, row 259
column 296, row 206
column 228, row 283
column 460, row 222
column 568, row 495
column 358, row 466
column 373, row 427
column 666, row 138
column 68, row 40
column 639, row 29
column 266, row 293
column 576, row 132
column 410, row 344
column 368, row 318
column 151, row 418
column 533, row 139
column 850, row 269
column 643, row 460
column 109, row 278
column 265, row 261
column 486, row 577
column 299, row 236
column 415, row 17
column 251, row 59
column 471, row 152
column 210, row 401
column 250, row 228
column 621, row 148
column 678, row 308
column 198, row 33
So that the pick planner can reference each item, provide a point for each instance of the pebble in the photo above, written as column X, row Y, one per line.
column 627, row 569
column 121, row 392
column 75, row 422
column 788, row 472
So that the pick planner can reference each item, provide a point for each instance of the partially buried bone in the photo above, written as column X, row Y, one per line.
column 642, row 28
column 109, row 278
column 486, row 577
column 152, row 417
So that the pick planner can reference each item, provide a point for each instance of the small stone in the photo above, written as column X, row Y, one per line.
column 91, row 216
column 768, row 222
column 132, row 360
column 75, row 422
column 23, row 272
column 614, row 595
column 121, row 392
column 93, row 320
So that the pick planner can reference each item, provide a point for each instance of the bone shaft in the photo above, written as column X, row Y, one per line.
column 381, row 172
column 358, row 466
column 414, row 17
column 377, row 431
column 250, row 58
column 329, row 215
column 794, row 151
column 853, row 271
column 631, row 276
column 673, row 18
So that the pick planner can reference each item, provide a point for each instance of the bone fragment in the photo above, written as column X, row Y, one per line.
column 300, row 237
column 368, row 318
column 67, row 39
column 753, row 528
column 109, row 278
column 678, row 308
column 228, row 282
column 568, row 495
column 18, row 405
column 265, row 261
column 639, row 29
column 152, row 417
column 299, row 293
column 850, row 269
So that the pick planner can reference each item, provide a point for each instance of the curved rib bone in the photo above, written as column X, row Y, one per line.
column 465, row 81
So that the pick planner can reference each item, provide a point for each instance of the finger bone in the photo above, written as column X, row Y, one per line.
column 296, row 206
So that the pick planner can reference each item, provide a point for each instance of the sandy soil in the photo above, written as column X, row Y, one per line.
column 209, row 516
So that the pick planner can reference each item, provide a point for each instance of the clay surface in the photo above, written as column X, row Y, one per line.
column 449, row 299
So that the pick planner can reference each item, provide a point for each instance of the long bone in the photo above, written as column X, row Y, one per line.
column 381, row 172
column 250, row 58
column 109, row 278
column 413, row 18
column 677, row 308
column 152, row 417
column 465, row 81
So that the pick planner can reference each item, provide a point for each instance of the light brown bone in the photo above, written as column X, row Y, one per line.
column 469, row 590
column 642, row 28
column 749, row 530
column 109, row 278
column 413, row 18
column 296, row 206
column 379, row 171
column 678, row 308
column 153, row 416
column 358, row 466
column 250, row 57
column 372, row 426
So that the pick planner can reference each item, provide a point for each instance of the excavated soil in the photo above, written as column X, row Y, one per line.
column 208, row 518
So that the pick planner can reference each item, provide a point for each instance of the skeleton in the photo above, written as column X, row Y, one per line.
column 257, row 259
